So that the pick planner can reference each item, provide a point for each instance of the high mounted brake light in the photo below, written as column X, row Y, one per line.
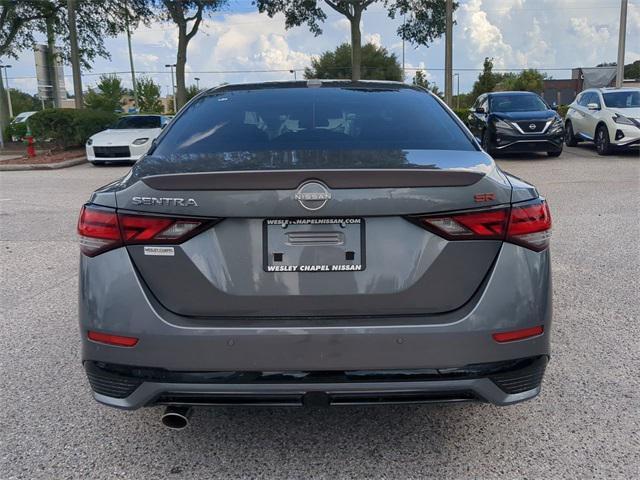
column 101, row 229
column 528, row 225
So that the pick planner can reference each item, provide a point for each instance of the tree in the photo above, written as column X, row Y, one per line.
column 23, row 22
column 148, row 96
column 487, row 80
column 420, row 79
column 192, row 91
column 107, row 96
column 23, row 102
column 530, row 80
column 425, row 19
column 187, row 15
column 377, row 64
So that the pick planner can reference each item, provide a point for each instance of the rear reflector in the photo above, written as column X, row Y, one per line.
column 116, row 340
column 101, row 229
column 528, row 225
column 518, row 334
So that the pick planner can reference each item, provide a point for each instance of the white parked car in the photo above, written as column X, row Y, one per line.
column 127, row 140
column 609, row 117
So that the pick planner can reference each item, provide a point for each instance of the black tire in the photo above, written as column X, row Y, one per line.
column 603, row 144
column 555, row 153
column 486, row 142
column 570, row 139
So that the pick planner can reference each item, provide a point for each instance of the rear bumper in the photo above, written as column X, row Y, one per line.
column 501, row 383
column 516, row 294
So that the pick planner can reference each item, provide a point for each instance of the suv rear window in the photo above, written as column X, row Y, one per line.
column 326, row 118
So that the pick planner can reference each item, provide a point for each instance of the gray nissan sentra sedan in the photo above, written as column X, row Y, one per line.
column 314, row 243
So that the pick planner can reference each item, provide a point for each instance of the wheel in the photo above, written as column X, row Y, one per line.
column 603, row 145
column 569, row 138
column 555, row 153
column 486, row 142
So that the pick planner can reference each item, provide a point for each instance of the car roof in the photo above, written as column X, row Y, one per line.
column 311, row 83
column 513, row 92
column 612, row 89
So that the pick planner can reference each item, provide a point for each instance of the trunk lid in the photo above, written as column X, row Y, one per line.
column 344, row 229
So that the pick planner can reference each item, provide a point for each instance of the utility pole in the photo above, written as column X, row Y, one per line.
column 6, row 82
column 133, row 71
column 404, row 21
column 75, row 54
column 448, row 55
column 173, row 87
column 458, row 91
column 621, row 40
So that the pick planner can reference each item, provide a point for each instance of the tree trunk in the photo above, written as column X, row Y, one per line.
column 356, row 45
column 181, row 61
column 4, row 108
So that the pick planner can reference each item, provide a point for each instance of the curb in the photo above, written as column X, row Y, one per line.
column 43, row 166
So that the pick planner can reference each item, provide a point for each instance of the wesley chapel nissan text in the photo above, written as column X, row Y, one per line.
column 314, row 243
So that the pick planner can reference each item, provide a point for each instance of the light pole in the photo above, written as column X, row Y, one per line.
column 6, row 82
column 133, row 71
column 457, row 90
column 294, row 73
column 197, row 79
column 621, row 43
column 173, row 86
column 448, row 56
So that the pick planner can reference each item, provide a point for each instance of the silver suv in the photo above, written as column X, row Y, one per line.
column 609, row 117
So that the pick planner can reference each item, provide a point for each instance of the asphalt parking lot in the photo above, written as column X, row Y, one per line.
column 585, row 424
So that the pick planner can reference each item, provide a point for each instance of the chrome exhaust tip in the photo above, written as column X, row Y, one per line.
column 176, row 418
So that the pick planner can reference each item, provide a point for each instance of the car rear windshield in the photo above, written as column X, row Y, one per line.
column 326, row 118
column 630, row 99
column 517, row 103
column 125, row 123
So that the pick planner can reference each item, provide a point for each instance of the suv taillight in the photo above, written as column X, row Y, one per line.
column 528, row 225
column 101, row 229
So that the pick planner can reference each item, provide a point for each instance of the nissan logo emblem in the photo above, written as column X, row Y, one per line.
column 532, row 126
column 312, row 195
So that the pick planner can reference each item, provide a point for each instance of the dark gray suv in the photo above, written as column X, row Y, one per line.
column 314, row 243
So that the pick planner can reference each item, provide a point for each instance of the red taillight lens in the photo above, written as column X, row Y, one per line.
column 109, row 339
column 98, row 230
column 486, row 224
column 518, row 334
column 103, row 229
column 528, row 225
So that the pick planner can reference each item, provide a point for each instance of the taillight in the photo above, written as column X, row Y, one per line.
column 103, row 229
column 515, row 335
column 109, row 339
column 98, row 230
column 528, row 225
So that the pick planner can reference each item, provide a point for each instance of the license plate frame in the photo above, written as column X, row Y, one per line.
column 314, row 245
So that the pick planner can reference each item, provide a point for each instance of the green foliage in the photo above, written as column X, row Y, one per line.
column 487, row 80
column 148, row 96
column 420, row 79
column 377, row 64
column 23, row 102
column 192, row 91
column 17, row 130
column 68, row 127
column 463, row 114
column 562, row 110
column 423, row 22
column 22, row 22
column 107, row 96
column 632, row 70
column 530, row 80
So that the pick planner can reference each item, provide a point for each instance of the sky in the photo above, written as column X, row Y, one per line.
column 550, row 35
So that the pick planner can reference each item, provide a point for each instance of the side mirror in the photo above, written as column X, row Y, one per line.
column 480, row 110
column 554, row 107
column 593, row 106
